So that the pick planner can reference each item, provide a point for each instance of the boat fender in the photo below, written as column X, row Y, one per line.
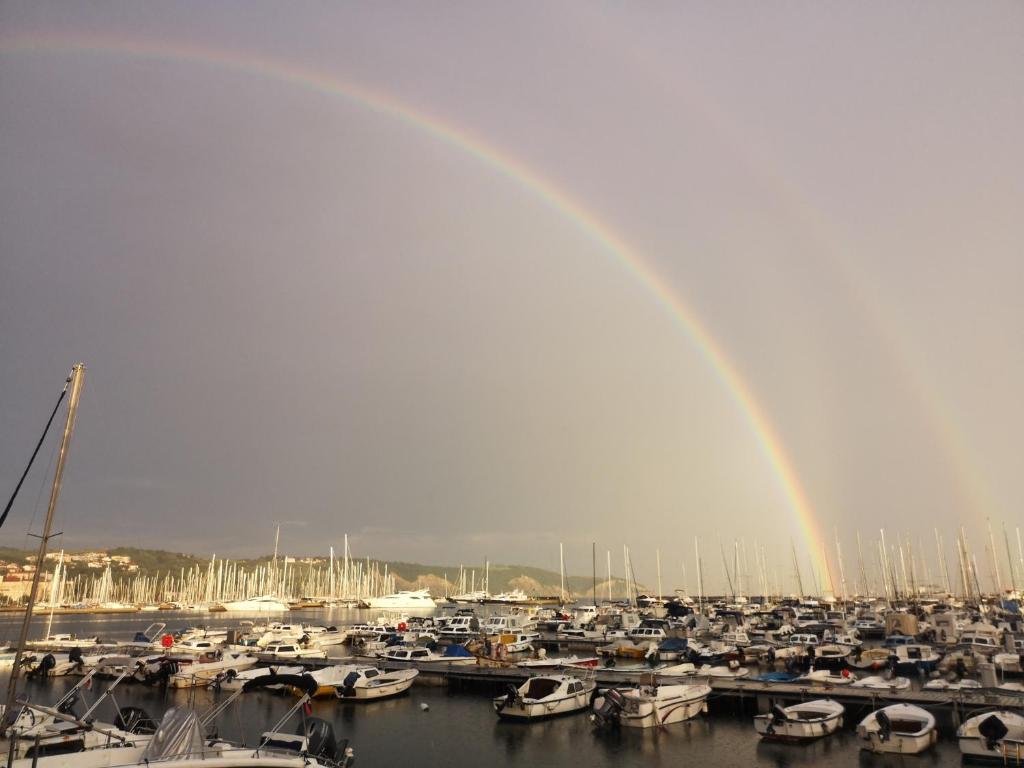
column 403, row 627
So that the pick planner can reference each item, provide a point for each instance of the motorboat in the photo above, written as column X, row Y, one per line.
column 651, row 705
column 367, row 683
column 900, row 728
column 826, row 677
column 995, row 735
column 556, row 662
column 422, row 655
column 289, row 651
column 880, row 683
column 235, row 681
column 951, row 685
column 544, row 696
column 64, row 640
column 408, row 599
column 831, row 656
column 516, row 643
column 805, row 721
column 203, row 670
column 509, row 623
column 917, row 658
column 461, row 627
column 730, row 671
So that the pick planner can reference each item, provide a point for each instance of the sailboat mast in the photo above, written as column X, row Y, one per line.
column 77, row 379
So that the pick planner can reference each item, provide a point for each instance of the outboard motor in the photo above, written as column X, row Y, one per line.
column 348, row 684
column 993, row 730
column 778, row 716
column 608, row 714
column 135, row 720
column 320, row 741
column 43, row 668
column 884, row 725
column 511, row 694
column 75, row 657
column 162, row 674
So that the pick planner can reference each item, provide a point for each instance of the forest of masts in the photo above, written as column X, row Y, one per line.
column 893, row 568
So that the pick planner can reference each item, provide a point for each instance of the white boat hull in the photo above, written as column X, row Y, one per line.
column 392, row 684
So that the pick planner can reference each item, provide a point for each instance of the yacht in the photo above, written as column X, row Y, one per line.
column 256, row 605
column 409, row 599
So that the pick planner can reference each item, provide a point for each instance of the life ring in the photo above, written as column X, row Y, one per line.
column 167, row 641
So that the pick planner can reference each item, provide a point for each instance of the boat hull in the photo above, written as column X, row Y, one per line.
column 528, row 710
column 793, row 731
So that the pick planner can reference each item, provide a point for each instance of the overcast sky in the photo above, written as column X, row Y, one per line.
column 296, row 307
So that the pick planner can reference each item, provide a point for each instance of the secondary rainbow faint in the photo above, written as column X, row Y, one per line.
column 543, row 189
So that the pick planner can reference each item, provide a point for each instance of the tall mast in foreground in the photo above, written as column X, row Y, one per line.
column 77, row 379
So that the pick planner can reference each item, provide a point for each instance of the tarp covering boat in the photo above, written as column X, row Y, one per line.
column 457, row 652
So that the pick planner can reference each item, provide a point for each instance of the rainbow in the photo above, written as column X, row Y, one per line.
column 541, row 188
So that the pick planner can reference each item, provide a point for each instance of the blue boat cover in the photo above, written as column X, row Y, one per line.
column 457, row 651
column 673, row 644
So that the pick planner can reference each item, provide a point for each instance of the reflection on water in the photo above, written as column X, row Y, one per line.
column 461, row 729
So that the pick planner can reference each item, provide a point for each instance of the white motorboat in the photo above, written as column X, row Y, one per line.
column 423, row 656
column 879, row 683
column 64, row 640
column 509, row 623
column 951, row 685
column 461, row 627
column 544, row 696
column 410, row 599
column 900, row 728
column 650, row 706
column 826, row 677
column 264, row 603
column 800, row 722
column 556, row 662
column 365, row 683
column 519, row 642
column 993, row 736
column 202, row 671
column 722, row 670
column 230, row 681
column 289, row 651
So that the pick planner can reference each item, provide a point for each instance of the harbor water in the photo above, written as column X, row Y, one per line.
column 433, row 726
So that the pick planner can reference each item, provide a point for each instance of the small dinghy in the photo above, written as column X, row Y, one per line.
column 900, row 728
column 879, row 683
column 544, row 696
column 650, row 706
column 992, row 736
column 805, row 721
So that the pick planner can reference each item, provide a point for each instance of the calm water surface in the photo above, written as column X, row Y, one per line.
column 460, row 728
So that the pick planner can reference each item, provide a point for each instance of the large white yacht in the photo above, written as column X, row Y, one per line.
column 409, row 599
column 255, row 605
